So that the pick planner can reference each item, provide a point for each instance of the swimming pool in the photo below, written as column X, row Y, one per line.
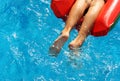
column 28, row 28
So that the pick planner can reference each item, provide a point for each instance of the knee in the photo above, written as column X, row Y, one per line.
column 98, row 2
column 96, row 6
column 101, row 2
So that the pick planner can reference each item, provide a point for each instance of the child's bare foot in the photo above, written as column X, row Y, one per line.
column 77, row 42
column 57, row 45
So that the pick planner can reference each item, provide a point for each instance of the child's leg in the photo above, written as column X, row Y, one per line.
column 88, row 22
column 75, row 13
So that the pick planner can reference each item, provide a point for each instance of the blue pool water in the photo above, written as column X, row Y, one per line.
column 29, row 27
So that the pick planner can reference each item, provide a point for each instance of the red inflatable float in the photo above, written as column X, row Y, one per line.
column 104, row 21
